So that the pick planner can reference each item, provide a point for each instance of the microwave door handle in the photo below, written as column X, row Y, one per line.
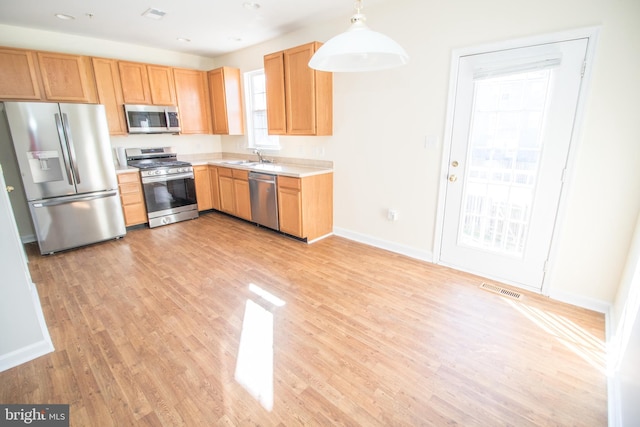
column 64, row 152
column 72, row 150
column 166, row 117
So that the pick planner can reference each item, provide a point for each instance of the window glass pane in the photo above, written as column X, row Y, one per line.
column 256, row 105
column 504, row 155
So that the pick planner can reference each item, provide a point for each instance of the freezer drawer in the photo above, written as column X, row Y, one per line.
column 68, row 222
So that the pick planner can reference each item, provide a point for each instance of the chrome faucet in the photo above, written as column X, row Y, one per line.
column 260, row 158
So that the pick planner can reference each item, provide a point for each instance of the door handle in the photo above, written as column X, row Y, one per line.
column 453, row 178
column 10, row 188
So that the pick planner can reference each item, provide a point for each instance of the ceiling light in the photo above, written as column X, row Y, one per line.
column 183, row 39
column 358, row 49
column 64, row 16
column 152, row 13
column 251, row 5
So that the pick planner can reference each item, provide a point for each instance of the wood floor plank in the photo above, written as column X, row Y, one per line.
column 147, row 331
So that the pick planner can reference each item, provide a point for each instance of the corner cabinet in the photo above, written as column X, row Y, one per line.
column 299, row 99
column 226, row 101
column 305, row 205
column 193, row 100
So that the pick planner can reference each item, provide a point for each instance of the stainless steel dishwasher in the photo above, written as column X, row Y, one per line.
column 264, row 199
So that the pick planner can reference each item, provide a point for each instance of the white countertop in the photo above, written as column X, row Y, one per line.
column 287, row 169
column 278, row 168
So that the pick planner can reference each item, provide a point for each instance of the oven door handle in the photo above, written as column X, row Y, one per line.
column 165, row 178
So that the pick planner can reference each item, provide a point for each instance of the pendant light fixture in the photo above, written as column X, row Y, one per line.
column 358, row 49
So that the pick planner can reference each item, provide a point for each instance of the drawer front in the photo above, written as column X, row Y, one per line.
column 289, row 182
column 240, row 174
column 225, row 172
column 131, row 198
column 129, row 187
column 128, row 177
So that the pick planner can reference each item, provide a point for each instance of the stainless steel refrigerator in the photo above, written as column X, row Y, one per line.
column 64, row 155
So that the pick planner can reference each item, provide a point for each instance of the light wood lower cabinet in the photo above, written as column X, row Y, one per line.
column 132, row 198
column 215, row 187
column 305, row 205
column 242, row 194
column 234, row 192
column 203, row 187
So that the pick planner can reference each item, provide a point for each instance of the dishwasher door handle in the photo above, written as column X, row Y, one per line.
column 268, row 181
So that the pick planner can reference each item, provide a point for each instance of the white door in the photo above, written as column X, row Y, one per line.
column 513, row 121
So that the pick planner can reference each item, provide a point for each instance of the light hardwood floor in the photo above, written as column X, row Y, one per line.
column 147, row 331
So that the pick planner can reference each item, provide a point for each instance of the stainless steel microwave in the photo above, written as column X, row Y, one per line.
column 152, row 119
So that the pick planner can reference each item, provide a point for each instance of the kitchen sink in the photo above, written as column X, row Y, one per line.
column 241, row 162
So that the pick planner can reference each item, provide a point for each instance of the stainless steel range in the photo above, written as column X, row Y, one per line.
column 168, row 185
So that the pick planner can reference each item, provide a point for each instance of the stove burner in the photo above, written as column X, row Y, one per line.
column 157, row 163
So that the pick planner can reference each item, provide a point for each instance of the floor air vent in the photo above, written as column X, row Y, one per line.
column 501, row 291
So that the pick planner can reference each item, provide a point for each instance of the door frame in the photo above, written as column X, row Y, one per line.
column 591, row 33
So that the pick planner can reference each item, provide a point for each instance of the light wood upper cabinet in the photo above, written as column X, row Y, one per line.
column 203, row 187
column 19, row 72
column 225, row 93
column 161, row 85
column 135, row 83
column 110, row 93
column 67, row 78
column 299, row 99
column 275, row 86
column 192, row 95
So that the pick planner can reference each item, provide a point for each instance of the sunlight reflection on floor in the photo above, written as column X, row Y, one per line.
column 254, row 367
column 572, row 336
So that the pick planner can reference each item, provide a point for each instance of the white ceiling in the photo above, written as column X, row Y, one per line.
column 213, row 26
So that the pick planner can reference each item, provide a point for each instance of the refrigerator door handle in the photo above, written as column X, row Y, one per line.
column 62, row 141
column 64, row 200
column 72, row 150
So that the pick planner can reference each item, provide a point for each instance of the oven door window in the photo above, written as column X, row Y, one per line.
column 171, row 194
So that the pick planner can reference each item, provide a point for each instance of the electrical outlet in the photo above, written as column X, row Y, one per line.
column 392, row 215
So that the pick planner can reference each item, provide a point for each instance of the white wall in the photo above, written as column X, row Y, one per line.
column 381, row 120
column 22, row 326
column 625, row 344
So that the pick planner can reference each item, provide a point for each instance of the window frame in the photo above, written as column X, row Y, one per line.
column 267, row 142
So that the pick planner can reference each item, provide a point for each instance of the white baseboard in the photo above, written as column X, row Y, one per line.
column 580, row 301
column 384, row 244
column 25, row 354
column 28, row 238
column 33, row 350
